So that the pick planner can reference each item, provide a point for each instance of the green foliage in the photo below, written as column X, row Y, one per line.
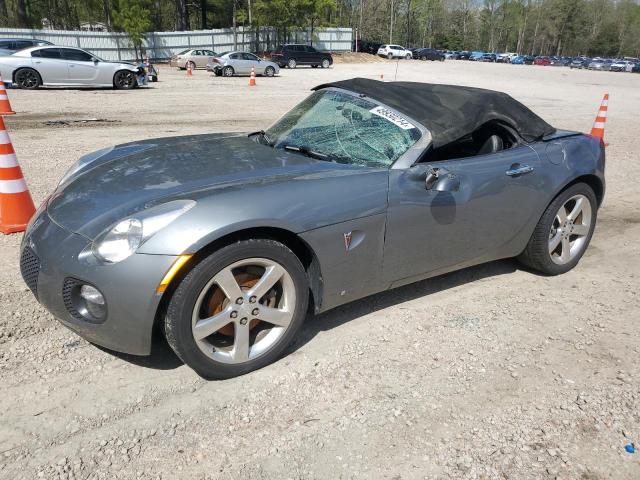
column 565, row 27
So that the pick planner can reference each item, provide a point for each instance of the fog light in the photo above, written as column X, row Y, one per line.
column 93, row 301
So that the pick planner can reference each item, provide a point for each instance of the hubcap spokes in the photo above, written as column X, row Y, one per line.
column 258, row 312
column 570, row 228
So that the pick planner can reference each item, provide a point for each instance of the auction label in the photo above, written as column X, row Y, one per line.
column 392, row 117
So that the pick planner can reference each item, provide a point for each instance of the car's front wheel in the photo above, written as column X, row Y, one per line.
column 563, row 232
column 124, row 80
column 326, row 63
column 269, row 71
column 238, row 309
column 292, row 63
column 28, row 78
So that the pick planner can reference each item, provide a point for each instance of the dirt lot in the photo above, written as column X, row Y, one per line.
column 491, row 372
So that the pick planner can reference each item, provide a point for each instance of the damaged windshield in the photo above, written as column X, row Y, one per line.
column 335, row 126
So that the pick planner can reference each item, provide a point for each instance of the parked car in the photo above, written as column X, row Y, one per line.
column 581, row 62
column 192, row 57
column 451, row 55
column 428, row 54
column 476, row 56
column 542, row 60
column 67, row 66
column 600, row 64
column 12, row 45
column 621, row 66
column 506, row 57
column 523, row 60
column 240, row 63
column 367, row 47
column 487, row 57
column 226, row 250
column 292, row 55
column 394, row 51
column 635, row 68
column 464, row 55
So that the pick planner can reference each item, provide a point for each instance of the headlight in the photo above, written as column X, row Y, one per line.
column 123, row 239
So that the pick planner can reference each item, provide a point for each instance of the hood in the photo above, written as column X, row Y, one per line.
column 132, row 177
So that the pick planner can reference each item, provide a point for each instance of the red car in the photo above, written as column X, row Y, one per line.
column 542, row 61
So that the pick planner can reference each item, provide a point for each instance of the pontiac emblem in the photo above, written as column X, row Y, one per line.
column 347, row 240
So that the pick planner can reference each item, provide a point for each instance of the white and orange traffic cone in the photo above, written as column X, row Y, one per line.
column 252, row 78
column 189, row 70
column 601, row 118
column 5, row 106
column 16, row 205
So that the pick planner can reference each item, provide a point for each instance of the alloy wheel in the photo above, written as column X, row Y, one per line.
column 244, row 310
column 570, row 229
column 228, row 71
column 27, row 79
column 270, row 71
column 125, row 79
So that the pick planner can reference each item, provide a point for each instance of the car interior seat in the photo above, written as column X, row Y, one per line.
column 492, row 144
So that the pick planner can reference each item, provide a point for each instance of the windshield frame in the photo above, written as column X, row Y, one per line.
column 409, row 157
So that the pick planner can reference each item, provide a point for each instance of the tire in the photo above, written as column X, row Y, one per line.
column 216, row 356
column 190, row 64
column 269, row 71
column 228, row 71
column 407, row 56
column 325, row 63
column 390, row 56
column 124, row 80
column 28, row 78
column 292, row 63
column 423, row 58
column 537, row 254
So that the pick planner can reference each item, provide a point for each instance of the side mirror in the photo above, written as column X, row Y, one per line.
column 432, row 178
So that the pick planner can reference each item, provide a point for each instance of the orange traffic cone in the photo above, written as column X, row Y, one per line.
column 189, row 71
column 16, row 205
column 252, row 78
column 601, row 118
column 5, row 106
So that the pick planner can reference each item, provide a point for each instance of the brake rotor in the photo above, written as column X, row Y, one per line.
column 219, row 301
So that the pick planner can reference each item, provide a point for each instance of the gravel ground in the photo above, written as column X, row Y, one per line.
column 490, row 372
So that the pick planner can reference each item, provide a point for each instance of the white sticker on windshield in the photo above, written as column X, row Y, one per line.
column 392, row 117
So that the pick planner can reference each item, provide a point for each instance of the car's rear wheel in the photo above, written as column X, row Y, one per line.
column 124, row 80
column 423, row 58
column 408, row 56
column 269, row 71
column 191, row 65
column 326, row 63
column 292, row 63
column 228, row 71
column 389, row 56
column 28, row 78
column 563, row 232
column 238, row 309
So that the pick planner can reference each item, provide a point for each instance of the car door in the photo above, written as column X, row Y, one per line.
column 238, row 63
column 313, row 56
column 439, row 229
column 49, row 64
column 252, row 62
column 81, row 68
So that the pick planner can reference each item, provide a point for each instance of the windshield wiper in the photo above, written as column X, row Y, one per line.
column 307, row 152
column 262, row 134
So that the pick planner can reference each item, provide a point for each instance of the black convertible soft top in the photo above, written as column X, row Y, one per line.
column 450, row 112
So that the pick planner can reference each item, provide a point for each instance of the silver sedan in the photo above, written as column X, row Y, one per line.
column 240, row 63
column 66, row 66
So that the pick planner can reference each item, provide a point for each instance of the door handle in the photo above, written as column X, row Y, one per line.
column 518, row 169
column 38, row 61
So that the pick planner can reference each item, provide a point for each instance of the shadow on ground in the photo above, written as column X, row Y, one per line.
column 163, row 358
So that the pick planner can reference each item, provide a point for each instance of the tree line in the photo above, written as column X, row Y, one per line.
column 549, row 27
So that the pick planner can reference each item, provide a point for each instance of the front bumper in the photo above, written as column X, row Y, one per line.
column 129, row 287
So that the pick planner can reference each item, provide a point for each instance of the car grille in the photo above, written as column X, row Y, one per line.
column 30, row 269
column 67, row 297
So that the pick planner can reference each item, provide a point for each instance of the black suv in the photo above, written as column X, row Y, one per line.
column 428, row 54
column 292, row 55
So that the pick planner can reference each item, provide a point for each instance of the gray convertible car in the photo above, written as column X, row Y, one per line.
column 225, row 242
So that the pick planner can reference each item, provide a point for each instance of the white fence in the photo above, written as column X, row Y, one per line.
column 161, row 45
